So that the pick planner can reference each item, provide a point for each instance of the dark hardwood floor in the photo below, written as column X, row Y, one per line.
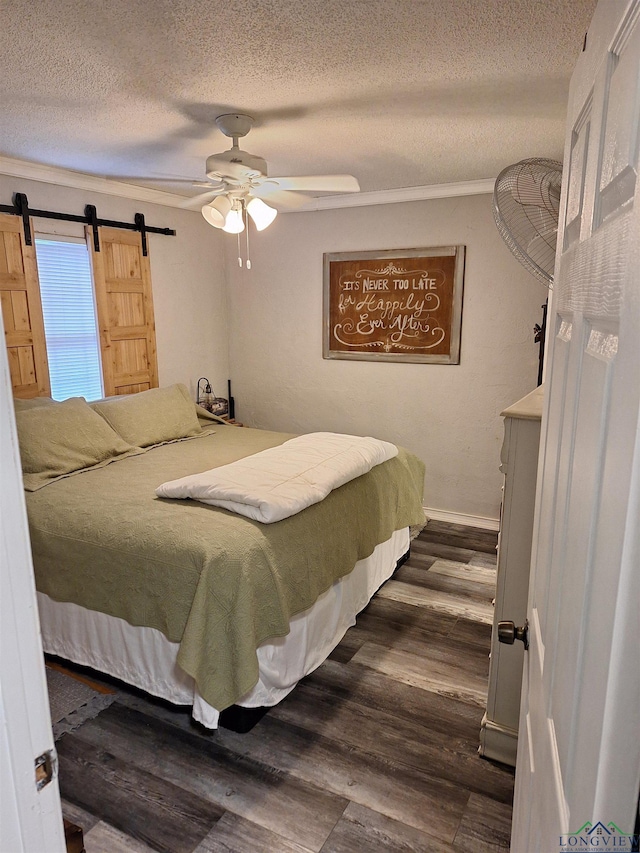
column 375, row 751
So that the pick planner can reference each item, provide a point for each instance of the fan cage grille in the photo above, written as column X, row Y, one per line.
column 526, row 202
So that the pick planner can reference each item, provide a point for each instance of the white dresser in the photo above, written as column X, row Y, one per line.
column 519, row 457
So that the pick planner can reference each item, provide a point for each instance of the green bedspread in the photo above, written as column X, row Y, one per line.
column 214, row 582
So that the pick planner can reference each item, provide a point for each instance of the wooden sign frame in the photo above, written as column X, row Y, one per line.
column 394, row 305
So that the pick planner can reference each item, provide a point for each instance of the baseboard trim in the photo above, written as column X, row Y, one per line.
column 497, row 742
column 460, row 518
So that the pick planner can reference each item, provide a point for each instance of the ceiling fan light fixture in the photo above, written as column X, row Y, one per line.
column 261, row 213
column 216, row 212
column 234, row 222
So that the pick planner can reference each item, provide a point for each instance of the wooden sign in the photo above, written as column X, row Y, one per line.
column 397, row 305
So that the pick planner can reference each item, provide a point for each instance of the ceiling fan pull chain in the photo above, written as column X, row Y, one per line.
column 239, row 258
column 246, row 222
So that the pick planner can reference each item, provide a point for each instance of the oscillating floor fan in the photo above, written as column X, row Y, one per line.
column 526, row 204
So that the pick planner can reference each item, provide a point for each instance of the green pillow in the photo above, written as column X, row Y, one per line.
column 20, row 405
column 62, row 438
column 152, row 417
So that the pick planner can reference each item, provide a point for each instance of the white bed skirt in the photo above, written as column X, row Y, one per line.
column 145, row 658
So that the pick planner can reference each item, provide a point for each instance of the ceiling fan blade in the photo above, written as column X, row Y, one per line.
column 317, row 183
column 280, row 198
column 200, row 200
column 137, row 179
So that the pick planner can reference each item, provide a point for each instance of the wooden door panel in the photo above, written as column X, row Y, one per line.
column 130, row 357
column 27, row 366
column 11, row 266
column 21, row 368
column 122, row 259
column 124, row 304
column 22, row 312
column 127, row 309
column 133, row 389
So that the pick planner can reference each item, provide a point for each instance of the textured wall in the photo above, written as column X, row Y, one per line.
column 186, row 271
column 448, row 414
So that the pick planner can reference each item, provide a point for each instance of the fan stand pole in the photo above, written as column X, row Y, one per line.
column 540, row 336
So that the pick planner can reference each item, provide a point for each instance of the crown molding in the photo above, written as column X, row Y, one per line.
column 80, row 180
column 460, row 188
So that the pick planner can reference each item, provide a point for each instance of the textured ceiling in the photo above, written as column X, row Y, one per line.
column 399, row 93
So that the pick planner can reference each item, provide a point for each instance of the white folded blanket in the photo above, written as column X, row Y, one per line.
column 283, row 480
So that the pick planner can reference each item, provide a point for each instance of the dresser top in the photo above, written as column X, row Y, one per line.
column 529, row 408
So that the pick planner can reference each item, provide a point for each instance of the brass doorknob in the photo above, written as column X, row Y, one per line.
column 508, row 633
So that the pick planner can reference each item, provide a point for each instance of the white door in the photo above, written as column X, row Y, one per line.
column 30, row 816
column 578, row 766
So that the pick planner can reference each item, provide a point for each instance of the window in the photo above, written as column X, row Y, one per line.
column 69, row 311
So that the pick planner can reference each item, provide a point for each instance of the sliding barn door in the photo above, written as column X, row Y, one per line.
column 122, row 281
column 22, row 311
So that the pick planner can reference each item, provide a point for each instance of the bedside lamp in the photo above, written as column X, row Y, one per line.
column 208, row 400
column 204, row 396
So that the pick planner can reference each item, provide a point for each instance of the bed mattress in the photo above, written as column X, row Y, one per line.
column 215, row 585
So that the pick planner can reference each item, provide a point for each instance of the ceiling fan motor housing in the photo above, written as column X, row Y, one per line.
column 217, row 163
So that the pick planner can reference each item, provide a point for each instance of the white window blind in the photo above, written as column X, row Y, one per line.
column 70, row 326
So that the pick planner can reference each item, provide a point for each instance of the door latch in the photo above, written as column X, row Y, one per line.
column 508, row 633
column 46, row 768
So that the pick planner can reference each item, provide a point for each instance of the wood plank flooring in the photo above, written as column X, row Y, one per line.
column 374, row 752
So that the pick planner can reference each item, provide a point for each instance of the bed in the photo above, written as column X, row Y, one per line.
column 190, row 602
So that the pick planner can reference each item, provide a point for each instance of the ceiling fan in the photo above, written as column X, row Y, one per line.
column 238, row 184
